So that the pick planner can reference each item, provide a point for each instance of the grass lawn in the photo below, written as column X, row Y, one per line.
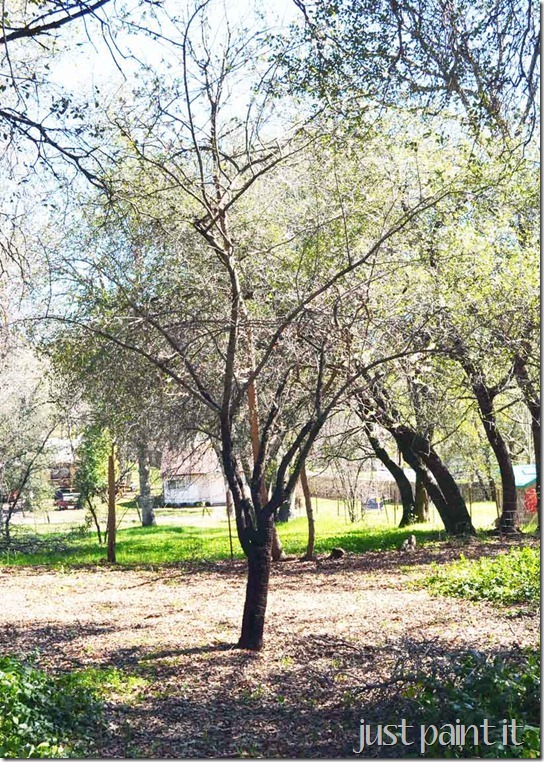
column 196, row 535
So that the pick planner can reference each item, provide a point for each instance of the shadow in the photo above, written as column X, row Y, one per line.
column 303, row 697
column 307, row 705
column 372, row 561
column 173, row 652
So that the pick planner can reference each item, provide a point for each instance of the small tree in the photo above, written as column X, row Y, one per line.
column 91, row 478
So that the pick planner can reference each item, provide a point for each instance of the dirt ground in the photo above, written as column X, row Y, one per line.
column 336, row 632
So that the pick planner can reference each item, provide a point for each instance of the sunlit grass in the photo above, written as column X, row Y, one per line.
column 197, row 535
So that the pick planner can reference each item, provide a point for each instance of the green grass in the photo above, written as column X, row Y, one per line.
column 510, row 578
column 55, row 715
column 188, row 535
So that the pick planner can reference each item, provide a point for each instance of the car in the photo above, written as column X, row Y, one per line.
column 65, row 499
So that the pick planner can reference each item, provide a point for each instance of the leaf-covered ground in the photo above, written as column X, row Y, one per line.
column 343, row 641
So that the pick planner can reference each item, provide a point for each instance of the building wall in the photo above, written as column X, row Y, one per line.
column 198, row 488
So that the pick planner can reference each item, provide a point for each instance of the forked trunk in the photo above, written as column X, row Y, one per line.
column 259, row 560
column 459, row 521
column 445, row 494
column 403, row 484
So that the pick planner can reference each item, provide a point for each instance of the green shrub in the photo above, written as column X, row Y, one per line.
column 510, row 578
column 46, row 715
column 507, row 687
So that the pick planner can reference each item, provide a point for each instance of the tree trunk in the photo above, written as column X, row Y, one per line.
column 421, row 500
column 403, row 484
column 284, row 512
column 258, row 575
column 486, row 494
column 535, row 428
column 111, row 509
column 432, row 489
column 93, row 513
column 532, row 401
column 277, row 552
column 145, row 498
column 230, row 511
column 445, row 494
column 507, row 521
column 310, row 548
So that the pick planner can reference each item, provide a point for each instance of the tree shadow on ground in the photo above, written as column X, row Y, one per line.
column 227, row 706
column 393, row 560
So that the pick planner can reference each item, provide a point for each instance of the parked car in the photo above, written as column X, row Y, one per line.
column 64, row 498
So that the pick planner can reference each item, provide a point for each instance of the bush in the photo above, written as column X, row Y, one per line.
column 45, row 715
column 507, row 687
column 510, row 578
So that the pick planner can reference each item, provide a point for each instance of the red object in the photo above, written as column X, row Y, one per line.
column 530, row 500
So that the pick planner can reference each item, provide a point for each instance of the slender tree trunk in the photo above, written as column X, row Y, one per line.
column 486, row 494
column 93, row 513
column 421, row 500
column 259, row 561
column 405, row 488
column 310, row 548
column 111, row 508
column 276, row 548
column 145, row 498
column 228, row 496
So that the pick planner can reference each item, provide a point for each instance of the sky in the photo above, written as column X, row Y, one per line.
column 93, row 63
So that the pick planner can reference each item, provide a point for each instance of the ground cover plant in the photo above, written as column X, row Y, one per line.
column 510, row 578
column 47, row 715
column 494, row 688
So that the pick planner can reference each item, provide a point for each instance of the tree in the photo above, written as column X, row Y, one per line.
column 237, row 286
column 418, row 452
column 479, row 60
column 91, row 479
column 28, row 418
column 33, row 112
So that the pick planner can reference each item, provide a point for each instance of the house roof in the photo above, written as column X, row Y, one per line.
column 201, row 460
column 525, row 475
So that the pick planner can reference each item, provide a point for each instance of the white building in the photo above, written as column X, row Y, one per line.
column 193, row 477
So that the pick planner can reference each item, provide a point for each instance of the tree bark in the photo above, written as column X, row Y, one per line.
column 93, row 513
column 111, row 509
column 284, row 512
column 507, row 521
column 445, row 493
column 421, row 500
column 277, row 552
column 145, row 498
column 258, row 576
column 310, row 548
